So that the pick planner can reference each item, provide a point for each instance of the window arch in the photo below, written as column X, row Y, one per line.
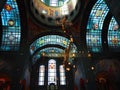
column 48, row 51
column 50, row 39
column 94, row 26
column 11, row 33
column 113, row 34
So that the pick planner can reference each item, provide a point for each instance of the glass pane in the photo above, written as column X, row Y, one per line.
column 55, row 3
column 63, row 83
column 41, row 79
column 41, row 74
column 41, row 83
column 62, row 74
column 62, row 78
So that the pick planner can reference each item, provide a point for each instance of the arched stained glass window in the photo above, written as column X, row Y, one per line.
column 50, row 39
column 62, row 75
column 94, row 26
column 49, row 52
column 11, row 33
column 41, row 75
column 52, row 76
column 113, row 34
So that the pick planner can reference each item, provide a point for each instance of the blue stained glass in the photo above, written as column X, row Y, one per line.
column 113, row 34
column 11, row 27
column 94, row 26
column 50, row 39
column 47, row 51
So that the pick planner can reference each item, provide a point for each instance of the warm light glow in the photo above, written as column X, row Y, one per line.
column 43, row 54
column 73, row 55
column 89, row 55
column 92, row 68
column 69, row 63
column 68, row 69
column 74, row 66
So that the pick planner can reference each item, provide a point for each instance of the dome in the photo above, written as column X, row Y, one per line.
column 48, row 11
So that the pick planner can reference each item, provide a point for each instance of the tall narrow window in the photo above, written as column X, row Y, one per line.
column 62, row 75
column 11, row 33
column 41, row 75
column 52, row 72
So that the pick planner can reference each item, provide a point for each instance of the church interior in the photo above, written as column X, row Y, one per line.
column 59, row 44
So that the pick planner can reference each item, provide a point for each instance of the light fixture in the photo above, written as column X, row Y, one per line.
column 68, row 69
column 92, row 67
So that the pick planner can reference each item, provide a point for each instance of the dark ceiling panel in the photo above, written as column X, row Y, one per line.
column 2, row 2
column 114, row 6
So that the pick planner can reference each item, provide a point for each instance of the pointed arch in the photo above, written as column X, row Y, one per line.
column 48, row 51
column 95, row 25
column 50, row 40
column 11, row 27
column 113, row 34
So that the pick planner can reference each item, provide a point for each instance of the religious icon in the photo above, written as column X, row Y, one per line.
column 8, row 7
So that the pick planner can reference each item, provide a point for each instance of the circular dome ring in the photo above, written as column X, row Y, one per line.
column 48, row 15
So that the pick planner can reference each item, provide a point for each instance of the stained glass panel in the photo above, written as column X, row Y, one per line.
column 47, row 51
column 50, row 39
column 94, row 26
column 113, row 34
column 11, row 27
